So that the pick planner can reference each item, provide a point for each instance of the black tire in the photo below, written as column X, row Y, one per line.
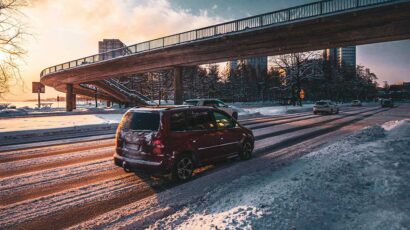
column 183, row 168
column 235, row 115
column 314, row 112
column 246, row 151
column 126, row 168
column 337, row 111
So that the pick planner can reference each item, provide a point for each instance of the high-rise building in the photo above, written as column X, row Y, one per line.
column 342, row 57
column 110, row 44
column 259, row 64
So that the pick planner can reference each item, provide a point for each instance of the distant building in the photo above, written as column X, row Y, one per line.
column 342, row 57
column 399, row 91
column 259, row 64
column 108, row 45
column 406, row 87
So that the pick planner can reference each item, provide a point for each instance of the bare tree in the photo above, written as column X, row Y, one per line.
column 11, row 39
column 297, row 68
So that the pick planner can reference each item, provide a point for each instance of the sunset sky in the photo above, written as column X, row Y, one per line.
column 64, row 30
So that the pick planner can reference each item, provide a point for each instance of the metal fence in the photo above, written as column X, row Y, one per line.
column 295, row 13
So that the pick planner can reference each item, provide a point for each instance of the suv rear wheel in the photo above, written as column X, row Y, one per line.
column 246, row 151
column 183, row 168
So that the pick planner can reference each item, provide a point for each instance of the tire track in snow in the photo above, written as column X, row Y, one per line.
column 16, row 155
column 40, row 185
column 43, row 163
column 94, row 205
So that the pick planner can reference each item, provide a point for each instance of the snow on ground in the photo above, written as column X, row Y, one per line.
column 360, row 182
column 274, row 110
column 34, row 123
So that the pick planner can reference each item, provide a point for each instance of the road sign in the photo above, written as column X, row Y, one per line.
column 302, row 94
column 37, row 87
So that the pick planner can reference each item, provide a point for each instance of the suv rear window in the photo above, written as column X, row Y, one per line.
column 141, row 121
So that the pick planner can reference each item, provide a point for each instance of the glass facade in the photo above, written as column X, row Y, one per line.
column 342, row 57
column 259, row 64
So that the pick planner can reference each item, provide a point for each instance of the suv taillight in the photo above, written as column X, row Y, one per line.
column 119, row 143
column 157, row 147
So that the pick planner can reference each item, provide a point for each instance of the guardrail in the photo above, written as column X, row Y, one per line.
column 127, row 92
column 259, row 21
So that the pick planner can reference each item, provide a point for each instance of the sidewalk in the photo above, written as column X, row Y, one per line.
column 52, row 122
column 34, row 129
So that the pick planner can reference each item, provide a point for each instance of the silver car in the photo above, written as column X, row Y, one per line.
column 356, row 103
column 216, row 103
column 325, row 106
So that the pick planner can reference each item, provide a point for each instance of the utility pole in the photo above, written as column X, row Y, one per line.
column 38, row 99
column 95, row 97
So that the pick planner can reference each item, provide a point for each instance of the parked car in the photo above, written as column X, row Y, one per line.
column 176, row 140
column 387, row 103
column 356, row 103
column 213, row 103
column 325, row 106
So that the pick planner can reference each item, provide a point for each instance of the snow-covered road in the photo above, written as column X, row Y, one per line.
column 360, row 182
column 78, row 185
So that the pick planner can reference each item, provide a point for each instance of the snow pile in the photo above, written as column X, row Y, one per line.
column 360, row 182
column 12, row 112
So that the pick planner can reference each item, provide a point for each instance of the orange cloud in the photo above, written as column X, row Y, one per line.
column 65, row 30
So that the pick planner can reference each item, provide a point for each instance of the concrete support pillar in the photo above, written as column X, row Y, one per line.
column 108, row 103
column 74, row 101
column 178, row 91
column 69, row 98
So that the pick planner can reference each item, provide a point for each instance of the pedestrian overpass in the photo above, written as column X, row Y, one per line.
column 314, row 26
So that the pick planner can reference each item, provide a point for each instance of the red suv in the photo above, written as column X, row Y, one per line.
column 177, row 139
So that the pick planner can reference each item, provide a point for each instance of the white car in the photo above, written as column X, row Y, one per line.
column 356, row 103
column 325, row 106
column 213, row 103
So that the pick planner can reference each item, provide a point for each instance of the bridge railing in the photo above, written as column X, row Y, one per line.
column 259, row 21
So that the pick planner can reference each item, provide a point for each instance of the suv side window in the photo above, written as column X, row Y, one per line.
column 200, row 120
column 223, row 121
column 178, row 121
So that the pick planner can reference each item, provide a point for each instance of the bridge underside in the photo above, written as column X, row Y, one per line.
column 372, row 25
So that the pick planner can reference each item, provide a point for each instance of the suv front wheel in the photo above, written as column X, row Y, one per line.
column 183, row 168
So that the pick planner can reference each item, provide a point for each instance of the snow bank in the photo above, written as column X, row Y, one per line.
column 360, row 182
column 12, row 112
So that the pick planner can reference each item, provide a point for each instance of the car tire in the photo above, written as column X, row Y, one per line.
column 126, row 168
column 337, row 111
column 314, row 112
column 246, row 150
column 235, row 115
column 183, row 168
